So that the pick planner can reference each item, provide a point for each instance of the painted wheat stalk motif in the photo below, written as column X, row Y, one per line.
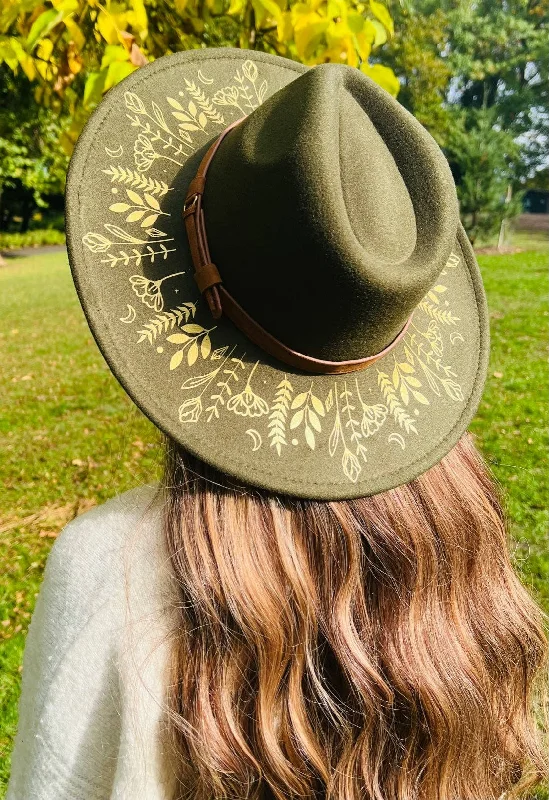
column 395, row 408
column 162, row 323
column 136, row 180
column 279, row 414
column 203, row 102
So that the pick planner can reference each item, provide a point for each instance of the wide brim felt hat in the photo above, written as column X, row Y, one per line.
column 332, row 218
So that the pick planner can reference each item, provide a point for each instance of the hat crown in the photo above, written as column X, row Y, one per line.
column 330, row 212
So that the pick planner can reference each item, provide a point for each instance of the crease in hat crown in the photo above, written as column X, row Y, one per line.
column 330, row 212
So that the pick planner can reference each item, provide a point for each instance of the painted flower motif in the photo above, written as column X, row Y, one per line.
column 373, row 418
column 190, row 410
column 96, row 242
column 250, row 70
column 144, row 153
column 228, row 96
column 148, row 291
column 434, row 337
column 247, row 403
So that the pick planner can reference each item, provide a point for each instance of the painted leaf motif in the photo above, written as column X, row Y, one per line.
column 205, row 347
column 150, row 220
column 176, row 359
column 202, row 119
column 135, row 216
column 192, row 354
column 119, row 208
column 334, row 439
column 314, row 420
column 152, row 201
column 178, row 338
column 299, row 399
column 199, row 380
column 134, row 197
column 317, row 405
column 192, row 327
column 420, row 398
column 188, row 127
column 396, row 377
column 192, row 109
column 296, row 419
column 181, row 116
column 174, row 103
column 309, row 437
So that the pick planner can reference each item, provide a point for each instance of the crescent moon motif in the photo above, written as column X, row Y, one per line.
column 398, row 438
column 130, row 316
column 256, row 436
column 456, row 337
column 116, row 153
column 202, row 78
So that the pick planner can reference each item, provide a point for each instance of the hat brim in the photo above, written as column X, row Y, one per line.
column 202, row 381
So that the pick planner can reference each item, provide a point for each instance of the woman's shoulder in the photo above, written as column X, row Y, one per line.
column 112, row 549
column 104, row 528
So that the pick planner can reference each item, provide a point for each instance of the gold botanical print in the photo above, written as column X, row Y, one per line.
column 309, row 410
column 195, row 340
column 203, row 102
column 350, row 438
column 344, row 424
column 135, row 180
column 149, row 291
column 279, row 414
column 162, row 323
column 144, row 210
column 244, row 94
column 247, row 403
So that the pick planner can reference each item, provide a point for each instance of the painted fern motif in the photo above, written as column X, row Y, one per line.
column 130, row 177
column 162, row 323
column 445, row 317
column 204, row 102
column 395, row 408
column 279, row 414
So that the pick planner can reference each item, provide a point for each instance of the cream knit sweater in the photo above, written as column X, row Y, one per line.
column 91, row 713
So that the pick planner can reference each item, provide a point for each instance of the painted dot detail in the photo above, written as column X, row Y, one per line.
column 416, row 412
column 159, row 349
column 114, row 191
column 294, row 441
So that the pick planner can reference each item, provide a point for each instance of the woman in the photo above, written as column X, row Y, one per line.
column 318, row 599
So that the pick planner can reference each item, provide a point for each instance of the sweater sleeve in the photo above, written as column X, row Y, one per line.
column 76, row 702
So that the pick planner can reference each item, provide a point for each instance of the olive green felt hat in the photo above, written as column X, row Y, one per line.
column 332, row 217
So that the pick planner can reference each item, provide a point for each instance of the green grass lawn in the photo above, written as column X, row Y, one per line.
column 69, row 436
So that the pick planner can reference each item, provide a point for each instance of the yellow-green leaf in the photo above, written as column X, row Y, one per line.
column 382, row 14
column 42, row 25
column 383, row 76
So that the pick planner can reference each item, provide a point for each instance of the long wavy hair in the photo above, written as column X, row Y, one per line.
column 380, row 648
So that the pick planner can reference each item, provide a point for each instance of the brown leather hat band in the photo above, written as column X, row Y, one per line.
column 219, row 300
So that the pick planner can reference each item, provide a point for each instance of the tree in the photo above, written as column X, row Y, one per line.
column 499, row 56
column 75, row 50
column 30, row 157
column 483, row 160
column 416, row 54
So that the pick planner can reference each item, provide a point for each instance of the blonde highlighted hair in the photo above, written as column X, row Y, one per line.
column 380, row 648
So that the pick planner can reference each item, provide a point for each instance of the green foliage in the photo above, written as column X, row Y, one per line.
column 29, row 140
column 76, row 51
column 500, row 59
column 416, row 55
column 34, row 238
column 484, row 160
